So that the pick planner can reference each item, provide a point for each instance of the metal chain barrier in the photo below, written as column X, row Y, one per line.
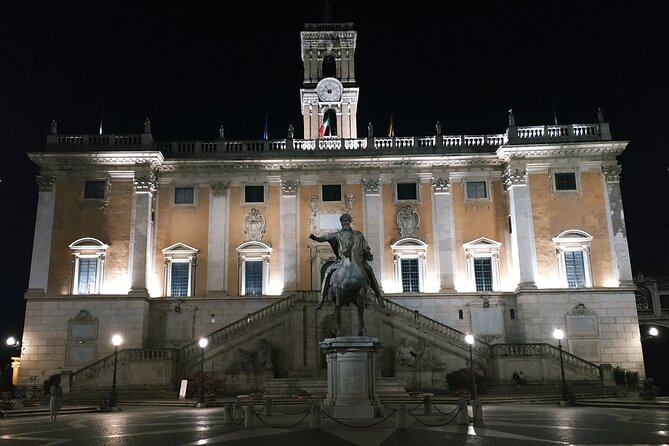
column 289, row 426
column 274, row 406
column 457, row 410
column 367, row 425
column 410, row 410
column 444, row 413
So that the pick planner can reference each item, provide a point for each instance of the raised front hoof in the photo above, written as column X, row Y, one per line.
column 319, row 306
column 362, row 333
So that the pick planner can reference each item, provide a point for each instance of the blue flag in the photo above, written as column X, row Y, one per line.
column 265, row 134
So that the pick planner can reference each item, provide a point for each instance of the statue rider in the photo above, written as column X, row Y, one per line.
column 347, row 240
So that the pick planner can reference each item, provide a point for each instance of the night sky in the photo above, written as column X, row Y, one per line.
column 192, row 68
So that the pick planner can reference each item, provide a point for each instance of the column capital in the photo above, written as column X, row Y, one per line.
column 371, row 186
column 441, row 185
column 289, row 187
column 612, row 173
column 219, row 188
column 514, row 177
column 145, row 183
column 45, row 182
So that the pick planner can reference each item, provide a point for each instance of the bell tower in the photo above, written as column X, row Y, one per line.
column 329, row 95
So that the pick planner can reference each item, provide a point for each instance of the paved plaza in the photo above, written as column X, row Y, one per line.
column 502, row 425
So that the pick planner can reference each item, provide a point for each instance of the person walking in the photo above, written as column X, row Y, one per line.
column 56, row 401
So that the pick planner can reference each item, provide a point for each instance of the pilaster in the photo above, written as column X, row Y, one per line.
column 522, row 235
column 217, row 279
column 141, row 239
column 622, row 268
column 444, row 233
column 39, row 267
column 289, row 228
column 373, row 218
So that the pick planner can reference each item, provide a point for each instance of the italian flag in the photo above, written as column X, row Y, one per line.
column 324, row 127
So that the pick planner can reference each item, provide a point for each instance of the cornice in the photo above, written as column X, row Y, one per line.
column 75, row 161
column 576, row 149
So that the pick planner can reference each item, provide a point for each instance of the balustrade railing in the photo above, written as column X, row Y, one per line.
column 546, row 351
column 125, row 355
column 558, row 131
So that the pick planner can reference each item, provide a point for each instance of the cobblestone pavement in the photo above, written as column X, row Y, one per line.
column 502, row 425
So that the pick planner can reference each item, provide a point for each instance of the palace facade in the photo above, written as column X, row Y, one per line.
column 506, row 236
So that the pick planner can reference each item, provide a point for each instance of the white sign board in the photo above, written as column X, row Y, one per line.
column 182, row 390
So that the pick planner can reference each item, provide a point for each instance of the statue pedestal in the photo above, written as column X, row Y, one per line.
column 350, row 383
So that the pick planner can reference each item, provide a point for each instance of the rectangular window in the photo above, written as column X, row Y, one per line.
column 254, row 194
column 461, row 314
column 512, row 313
column 476, row 190
column 95, row 189
column 253, row 277
column 410, row 275
column 574, row 269
column 184, row 195
column 88, row 274
column 565, row 181
column 331, row 192
column 483, row 273
column 179, row 279
column 407, row 191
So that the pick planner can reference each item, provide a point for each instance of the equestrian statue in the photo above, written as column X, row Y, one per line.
column 348, row 279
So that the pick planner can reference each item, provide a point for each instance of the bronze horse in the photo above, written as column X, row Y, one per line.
column 349, row 286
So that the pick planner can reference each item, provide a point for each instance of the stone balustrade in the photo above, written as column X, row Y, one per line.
column 416, row 144
column 546, row 351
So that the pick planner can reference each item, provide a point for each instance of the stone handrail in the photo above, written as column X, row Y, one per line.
column 558, row 132
column 436, row 328
column 551, row 352
column 226, row 333
column 126, row 355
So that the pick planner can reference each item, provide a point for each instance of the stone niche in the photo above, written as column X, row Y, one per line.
column 82, row 340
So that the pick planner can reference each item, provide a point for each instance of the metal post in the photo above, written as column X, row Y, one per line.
column 200, row 397
column 113, row 396
column 564, row 380
column 471, row 363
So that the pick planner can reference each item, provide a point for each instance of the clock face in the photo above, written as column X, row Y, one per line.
column 329, row 89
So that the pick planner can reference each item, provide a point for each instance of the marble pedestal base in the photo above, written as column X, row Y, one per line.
column 351, row 390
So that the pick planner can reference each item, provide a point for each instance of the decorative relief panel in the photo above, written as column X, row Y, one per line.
column 408, row 221
column 254, row 225
column 325, row 219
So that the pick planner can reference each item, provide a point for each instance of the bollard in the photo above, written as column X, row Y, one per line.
column 315, row 422
column 268, row 406
column 427, row 405
column 477, row 412
column 228, row 417
column 237, row 411
column 248, row 416
column 402, row 417
column 463, row 413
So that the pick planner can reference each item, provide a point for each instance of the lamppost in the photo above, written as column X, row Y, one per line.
column 652, row 332
column 559, row 335
column 116, row 340
column 469, row 339
column 13, row 342
column 200, row 398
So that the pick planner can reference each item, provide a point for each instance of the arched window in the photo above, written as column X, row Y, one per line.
column 572, row 248
column 180, row 264
column 409, row 264
column 330, row 122
column 253, row 268
column 89, row 261
column 329, row 66
column 483, row 264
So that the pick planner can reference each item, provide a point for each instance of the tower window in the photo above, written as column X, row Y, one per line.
column 329, row 66
column 483, row 273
